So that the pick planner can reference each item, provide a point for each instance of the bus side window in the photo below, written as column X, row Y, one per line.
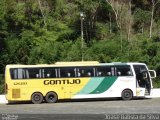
column 34, row 73
column 67, row 72
column 109, row 71
column 89, row 74
column 129, row 73
column 119, row 73
column 109, row 74
column 19, row 73
column 14, row 73
column 49, row 72
column 48, row 75
column 99, row 74
column 79, row 74
column 86, row 71
column 103, row 71
column 37, row 75
column 100, row 71
column 123, row 70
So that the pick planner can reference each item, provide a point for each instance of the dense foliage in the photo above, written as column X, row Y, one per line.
column 46, row 31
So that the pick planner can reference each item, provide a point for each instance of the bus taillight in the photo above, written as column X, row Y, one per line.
column 6, row 88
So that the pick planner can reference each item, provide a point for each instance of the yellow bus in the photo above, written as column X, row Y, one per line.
column 77, row 80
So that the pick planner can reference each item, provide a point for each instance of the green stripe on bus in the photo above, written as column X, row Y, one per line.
column 91, row 85
column 105, row 85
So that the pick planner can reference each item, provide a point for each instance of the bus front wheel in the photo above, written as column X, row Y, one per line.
column 37, row 98
column 127, row 94
column 51, row 97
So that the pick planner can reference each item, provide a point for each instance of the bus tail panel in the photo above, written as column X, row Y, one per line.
column 16, row 93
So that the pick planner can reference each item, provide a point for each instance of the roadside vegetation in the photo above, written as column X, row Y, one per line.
column 47, row 31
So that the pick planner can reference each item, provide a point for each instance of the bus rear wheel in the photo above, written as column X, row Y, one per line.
column 127, row 95
column 37, row 98
column 51, row 97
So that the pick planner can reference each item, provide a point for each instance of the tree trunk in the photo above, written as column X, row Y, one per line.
column 44, row 18
column 150, row 29
column 129, row 27
column 116, row 12
column 117, row 9
column 154, row 3
column 110, row 23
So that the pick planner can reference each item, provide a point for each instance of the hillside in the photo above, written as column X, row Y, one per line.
column 47, row 31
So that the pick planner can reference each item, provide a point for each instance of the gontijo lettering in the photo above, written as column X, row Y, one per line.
column 55, row 82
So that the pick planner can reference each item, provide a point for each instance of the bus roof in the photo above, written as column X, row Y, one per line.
column 78, row 63
column 82, row 63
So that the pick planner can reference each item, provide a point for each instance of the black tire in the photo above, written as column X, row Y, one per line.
column 37, row 98
column 51, row 97
column 127, row 95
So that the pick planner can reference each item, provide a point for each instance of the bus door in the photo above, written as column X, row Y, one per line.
column 142, row 78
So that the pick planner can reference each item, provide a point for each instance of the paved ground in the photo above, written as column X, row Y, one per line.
column 93, row 108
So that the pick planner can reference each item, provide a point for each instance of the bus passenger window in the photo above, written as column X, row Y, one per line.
column 67, row 72
column 119, row 73
column 48, row 75
column 108, row 73
column 89, row 74
column 49, row 72
column 34, row 73
column 79, row 74
column 103, row 71
column 37, row 75
column 19, row 73
column 129, row 73
column 99, row 73
column 123, row 70
column 86, row 71
column 14, row 73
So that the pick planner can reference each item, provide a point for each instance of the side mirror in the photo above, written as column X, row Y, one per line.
column 152, row 73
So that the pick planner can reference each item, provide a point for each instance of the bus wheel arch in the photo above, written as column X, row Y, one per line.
column 51, row 97
column 127, row 94
column 37, row 98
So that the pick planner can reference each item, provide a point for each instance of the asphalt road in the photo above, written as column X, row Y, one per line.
column 79, row 109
